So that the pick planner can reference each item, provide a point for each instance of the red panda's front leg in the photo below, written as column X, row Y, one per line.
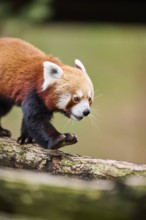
column 30, row 131
column 25, row 137
column 38, row 127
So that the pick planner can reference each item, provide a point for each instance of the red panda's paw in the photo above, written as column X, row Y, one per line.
column 24, row 140
column 70, row 138
column 64, row 139
column 4, row 132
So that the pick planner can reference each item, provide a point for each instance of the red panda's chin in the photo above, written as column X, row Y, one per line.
column 71, row 115
column 75, row 117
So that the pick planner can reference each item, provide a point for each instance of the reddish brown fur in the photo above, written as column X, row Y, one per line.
column 21, row 69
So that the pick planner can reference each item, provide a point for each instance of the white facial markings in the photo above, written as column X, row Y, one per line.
column 81, row 66
column 78, row 109
column 63, row 100
column 52, row 72
column 79, row 93
column 89, row 94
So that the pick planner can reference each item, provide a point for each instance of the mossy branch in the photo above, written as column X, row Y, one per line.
column 40, row 196
column 33, row 157
column 29, row 195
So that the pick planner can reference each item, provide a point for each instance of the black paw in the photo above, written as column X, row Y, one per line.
column 4, row 132
column 63, row 140
column 24, row 140
column 70, row 138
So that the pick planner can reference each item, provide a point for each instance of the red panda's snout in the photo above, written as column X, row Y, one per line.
column 80, row 110
column 73, row 88
column 74, row 106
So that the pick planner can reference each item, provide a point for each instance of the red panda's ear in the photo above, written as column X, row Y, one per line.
column 80, row 65
column 52, row 72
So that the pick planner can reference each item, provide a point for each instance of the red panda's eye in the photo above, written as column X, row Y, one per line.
column 76, row 99
column 90, row 100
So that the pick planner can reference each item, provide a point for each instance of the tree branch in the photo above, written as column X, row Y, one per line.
column 33, row 157
column 31, row 195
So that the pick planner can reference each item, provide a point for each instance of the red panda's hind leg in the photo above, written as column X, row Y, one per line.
column 5, row 107
column 4, row 132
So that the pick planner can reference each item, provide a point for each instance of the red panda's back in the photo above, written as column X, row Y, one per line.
column 13, row 49
column 15, row 55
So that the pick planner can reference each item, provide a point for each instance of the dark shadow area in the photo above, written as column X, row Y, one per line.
column 100, row 11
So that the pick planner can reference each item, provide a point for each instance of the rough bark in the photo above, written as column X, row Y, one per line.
column 33, row 195
column 33, row 157
column 29, row 195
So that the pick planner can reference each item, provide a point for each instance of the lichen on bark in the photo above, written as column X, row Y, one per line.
column 33, row 157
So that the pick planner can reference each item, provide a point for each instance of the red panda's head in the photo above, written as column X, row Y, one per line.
column 70, row 89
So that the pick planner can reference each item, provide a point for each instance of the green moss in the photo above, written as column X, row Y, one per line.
column 67, row 203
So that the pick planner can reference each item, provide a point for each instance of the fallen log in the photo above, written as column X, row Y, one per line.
column 33, row 157
column 29, row 195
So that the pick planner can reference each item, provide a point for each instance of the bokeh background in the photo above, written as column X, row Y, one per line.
column 110, row 39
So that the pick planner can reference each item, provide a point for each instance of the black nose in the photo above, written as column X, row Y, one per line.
column 86, row 112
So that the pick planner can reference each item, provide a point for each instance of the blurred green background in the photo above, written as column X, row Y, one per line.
column 115, row 58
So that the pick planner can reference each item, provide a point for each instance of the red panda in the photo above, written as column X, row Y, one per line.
column 41, row 85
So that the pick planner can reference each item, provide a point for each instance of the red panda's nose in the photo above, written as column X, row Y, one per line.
column 86, row 112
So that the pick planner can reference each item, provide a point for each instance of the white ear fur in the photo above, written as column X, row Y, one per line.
column 51, row 72
column 80, row 65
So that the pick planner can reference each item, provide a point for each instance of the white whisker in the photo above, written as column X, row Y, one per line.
column 94, row 117
column 96, row 110
column 94, row 123
column 98, row 96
